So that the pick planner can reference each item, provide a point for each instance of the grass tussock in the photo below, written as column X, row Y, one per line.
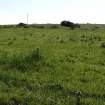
column 21, row 61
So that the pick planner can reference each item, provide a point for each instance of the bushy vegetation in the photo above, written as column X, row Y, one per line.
column 50, row 65
column 70, row 24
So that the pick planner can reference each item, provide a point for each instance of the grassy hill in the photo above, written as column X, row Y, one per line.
column 47, row 66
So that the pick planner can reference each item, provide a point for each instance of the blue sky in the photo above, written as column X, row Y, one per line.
column 52, row 11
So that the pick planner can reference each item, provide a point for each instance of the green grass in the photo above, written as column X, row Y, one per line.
column 44, row 66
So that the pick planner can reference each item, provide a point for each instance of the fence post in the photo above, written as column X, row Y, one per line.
column 78, row 97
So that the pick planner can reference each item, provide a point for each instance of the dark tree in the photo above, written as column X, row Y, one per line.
column 67, row 24
column 21, row 25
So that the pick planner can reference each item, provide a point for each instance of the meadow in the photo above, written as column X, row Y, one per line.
column 49, row 65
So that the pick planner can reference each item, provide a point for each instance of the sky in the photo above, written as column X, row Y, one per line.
column 52, row 11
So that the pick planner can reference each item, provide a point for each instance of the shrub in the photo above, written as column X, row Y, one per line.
column 103, row 44
column 10, row 42
column 62, row 41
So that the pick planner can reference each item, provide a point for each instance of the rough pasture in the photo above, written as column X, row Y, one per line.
column 45, row 66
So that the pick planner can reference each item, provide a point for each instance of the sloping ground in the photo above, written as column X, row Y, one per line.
column 47, row 66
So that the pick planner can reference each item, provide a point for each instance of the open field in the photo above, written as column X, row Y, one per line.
column 46, row 66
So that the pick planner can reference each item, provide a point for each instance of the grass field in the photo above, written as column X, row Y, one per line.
column 45, row 66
